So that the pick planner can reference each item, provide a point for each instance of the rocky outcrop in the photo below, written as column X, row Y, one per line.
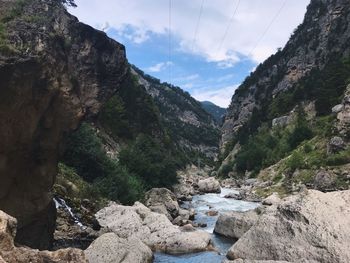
column 235, row 224
column 163, row 201
column 343, row 115
column 324, row 180
column 58, row 72
column 272, row 199
column 109, row 248
column 321, row 37
column 310, row 227
column 9, row 253
column 209, row 185
column 154, row 229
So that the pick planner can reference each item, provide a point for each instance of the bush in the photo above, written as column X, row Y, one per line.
column 295, row 161
column 86, row 155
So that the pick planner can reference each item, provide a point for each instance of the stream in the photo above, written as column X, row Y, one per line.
column 202, row 204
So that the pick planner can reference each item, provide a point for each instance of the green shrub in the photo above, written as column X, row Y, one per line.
column 295, row 161
column 339, row 158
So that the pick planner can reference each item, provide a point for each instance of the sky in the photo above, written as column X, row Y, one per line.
column 206, row 47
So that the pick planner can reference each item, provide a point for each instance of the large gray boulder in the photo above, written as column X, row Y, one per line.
column 235, row 224
column 109, row 248
column 163, row 201
column 312, row 226
column 209, row 185
column 153, row 229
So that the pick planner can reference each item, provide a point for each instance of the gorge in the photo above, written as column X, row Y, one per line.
column 142, row 172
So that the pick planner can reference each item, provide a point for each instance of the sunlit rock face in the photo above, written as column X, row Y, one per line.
column 323, row 35
column 54, row 72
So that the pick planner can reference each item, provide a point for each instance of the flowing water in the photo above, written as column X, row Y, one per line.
column 59, row 202
column 202, row 204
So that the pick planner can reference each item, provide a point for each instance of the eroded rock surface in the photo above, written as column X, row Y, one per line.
column 109, row 248
column 310, row 227
column 9, row 253
column 154, row 229
column 58, row 72
column 235, row 224
column 209, row 185
column 163, row 201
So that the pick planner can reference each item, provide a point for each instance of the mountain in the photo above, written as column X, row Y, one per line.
column 281, row 125
column 214, row 110
column 185, row 120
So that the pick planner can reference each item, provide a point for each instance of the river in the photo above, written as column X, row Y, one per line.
column 202, row 204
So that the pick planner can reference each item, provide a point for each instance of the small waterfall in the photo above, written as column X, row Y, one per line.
column 59, row 202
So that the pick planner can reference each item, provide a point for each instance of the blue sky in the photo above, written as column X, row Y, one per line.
column 211, row 51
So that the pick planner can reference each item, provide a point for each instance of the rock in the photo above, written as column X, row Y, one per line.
column 337, row 108
column 250, row 182
column 154, row 229
column 273, row 199
column 235, row 224
column 236, row 196
column 324, row 180
column 335, row 145
column 109, row 248
column 312, row 226
column 281, row 121
column 183, row 192
column 248, row 195
column 230, row 183
column 188, row 228
column 163, row 201
column 48, row 89
column 209, row 185
column 9, row 253
column 212, row 213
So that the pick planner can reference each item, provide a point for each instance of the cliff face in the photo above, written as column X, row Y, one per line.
column 54, row 72
column 185, row 120
column 323, row 37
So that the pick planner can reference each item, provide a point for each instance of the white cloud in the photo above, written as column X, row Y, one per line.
column 248, row 25
column 221, row 96
column 159, row 66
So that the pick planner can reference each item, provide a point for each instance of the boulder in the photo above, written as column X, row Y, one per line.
column 235, row 224
column 324, row 180
column 337, row 108
column 109, row 248
column 163, row 201
column 236, row 196
column 209, row 185
column 335, row 145
column 272, row 199
column 154, row 229
column 9, row 253
column 212, row 213
column 309, row 227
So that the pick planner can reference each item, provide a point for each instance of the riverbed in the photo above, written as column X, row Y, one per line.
column 202, row 204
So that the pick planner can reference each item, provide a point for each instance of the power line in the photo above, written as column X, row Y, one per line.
column 228, row 26
column 268, row 27
column 196, row 30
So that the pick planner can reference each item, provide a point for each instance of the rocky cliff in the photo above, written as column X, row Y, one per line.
column 322, row 38
column 184, row 118
column 288, row 123
column 54, row 71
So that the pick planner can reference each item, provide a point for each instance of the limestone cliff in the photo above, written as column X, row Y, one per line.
column 323, row 37
column 54, row 72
